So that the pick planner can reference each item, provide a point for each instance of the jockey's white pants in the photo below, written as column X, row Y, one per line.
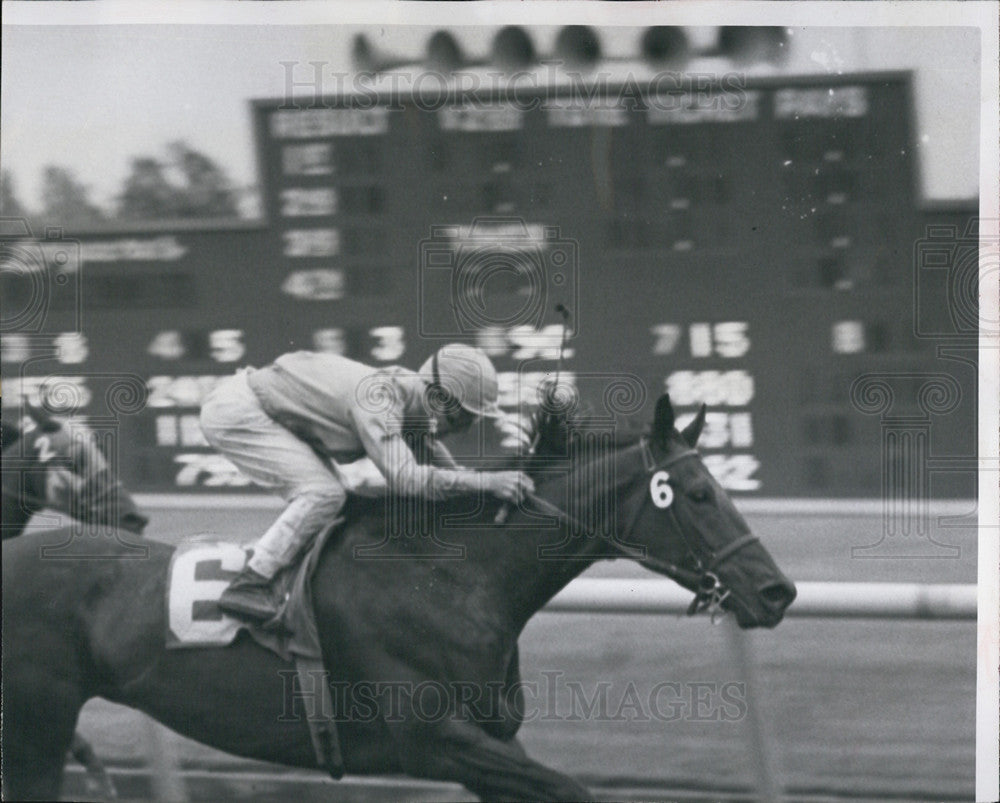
column 234, row 422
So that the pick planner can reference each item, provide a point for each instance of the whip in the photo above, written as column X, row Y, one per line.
column 504, row 511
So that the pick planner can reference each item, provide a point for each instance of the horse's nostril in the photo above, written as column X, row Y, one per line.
column 779, row 595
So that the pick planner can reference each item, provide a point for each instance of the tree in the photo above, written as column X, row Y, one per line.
column 208, row 191
column 65, row 200
column 201, row 188
column 147, row 195
column 10, row 206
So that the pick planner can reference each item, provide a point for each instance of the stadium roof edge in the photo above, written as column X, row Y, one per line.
column 380, row 87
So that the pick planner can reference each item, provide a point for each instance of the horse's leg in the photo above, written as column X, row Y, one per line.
column 98, row 781
column 485, row 794
column 38, row 723
column 488, row 767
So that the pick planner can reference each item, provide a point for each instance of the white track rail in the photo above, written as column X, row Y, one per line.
column 752, row 506
column 588, row 595
column 815, row 600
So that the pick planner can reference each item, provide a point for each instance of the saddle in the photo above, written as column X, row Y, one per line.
column 201, row 568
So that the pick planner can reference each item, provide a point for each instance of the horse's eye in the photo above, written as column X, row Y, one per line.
column 700, row 495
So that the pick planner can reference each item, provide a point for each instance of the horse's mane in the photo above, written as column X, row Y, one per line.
column 560, row 422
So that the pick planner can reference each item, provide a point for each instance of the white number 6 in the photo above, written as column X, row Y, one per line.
column 660, row 490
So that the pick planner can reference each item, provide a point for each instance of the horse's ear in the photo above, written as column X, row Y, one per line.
column 692, row 431
column 663, row 419
column 37, row 414
column 41, row 417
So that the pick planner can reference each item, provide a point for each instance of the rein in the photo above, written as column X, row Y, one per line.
column 710, row 593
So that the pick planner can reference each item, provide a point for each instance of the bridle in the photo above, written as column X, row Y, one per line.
column 97, row 486
column 709, row 591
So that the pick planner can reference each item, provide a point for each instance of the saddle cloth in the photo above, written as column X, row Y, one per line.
column 200, row 570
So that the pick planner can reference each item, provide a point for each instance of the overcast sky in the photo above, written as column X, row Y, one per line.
column 91, row 97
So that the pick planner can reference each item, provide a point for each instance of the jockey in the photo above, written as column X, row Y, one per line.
column 295, row 424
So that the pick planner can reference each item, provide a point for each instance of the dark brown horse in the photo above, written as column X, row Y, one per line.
column 396, row 615
column 48, row 463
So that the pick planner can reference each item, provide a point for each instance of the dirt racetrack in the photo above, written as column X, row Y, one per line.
column 855, row 709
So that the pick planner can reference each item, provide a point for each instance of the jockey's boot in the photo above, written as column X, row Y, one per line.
column 249, row 596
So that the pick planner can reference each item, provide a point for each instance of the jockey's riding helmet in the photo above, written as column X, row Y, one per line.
column 467, row 374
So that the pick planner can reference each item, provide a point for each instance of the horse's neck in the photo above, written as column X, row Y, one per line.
column 538, row 563
column 539, row 568
column 18, row 507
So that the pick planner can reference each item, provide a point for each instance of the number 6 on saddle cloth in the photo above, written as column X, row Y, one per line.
column 201, row 569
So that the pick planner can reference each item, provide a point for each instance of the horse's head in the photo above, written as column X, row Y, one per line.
column 64, row 469
column 687, row 528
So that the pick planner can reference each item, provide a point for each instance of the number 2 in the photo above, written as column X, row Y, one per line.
column 44, row 447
